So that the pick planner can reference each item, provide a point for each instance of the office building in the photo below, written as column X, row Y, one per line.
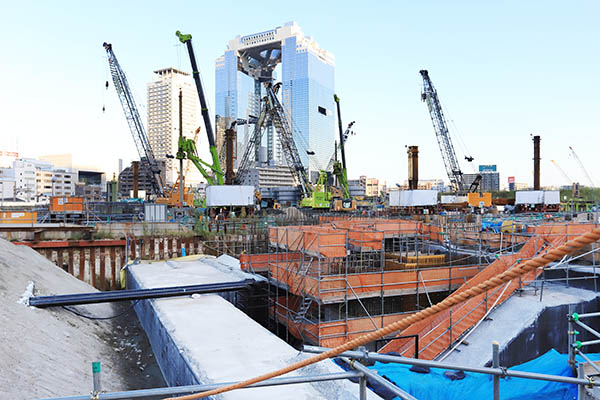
column 307, row 76
column 428, row 184
column 269, row 176
column 163, row 116
column 145, row 178
column 33, row 180
column 490, row 181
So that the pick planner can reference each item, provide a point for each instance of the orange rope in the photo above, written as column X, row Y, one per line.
column 507, row 276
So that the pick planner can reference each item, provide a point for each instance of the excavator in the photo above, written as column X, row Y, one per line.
column 320, row 195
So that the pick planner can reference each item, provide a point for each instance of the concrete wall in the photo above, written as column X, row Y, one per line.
column 547, row 332
column 123, row 229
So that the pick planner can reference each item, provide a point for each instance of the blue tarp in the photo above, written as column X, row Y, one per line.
column 435, row 386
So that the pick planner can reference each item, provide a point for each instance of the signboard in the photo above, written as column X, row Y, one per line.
column 511, row 179
column 487, row 168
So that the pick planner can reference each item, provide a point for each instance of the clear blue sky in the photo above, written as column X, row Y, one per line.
column 503, row 69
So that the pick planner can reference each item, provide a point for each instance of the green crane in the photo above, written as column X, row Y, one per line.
column 340, row 169
column 214, row 174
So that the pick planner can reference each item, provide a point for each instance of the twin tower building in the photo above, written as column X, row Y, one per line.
column 283, row 54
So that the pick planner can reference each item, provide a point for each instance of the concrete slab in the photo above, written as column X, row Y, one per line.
column 512, row 318
column 205, row 339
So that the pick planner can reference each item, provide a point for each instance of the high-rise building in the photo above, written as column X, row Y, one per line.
column 163, row 116
column 490, row 181
column 307, row 75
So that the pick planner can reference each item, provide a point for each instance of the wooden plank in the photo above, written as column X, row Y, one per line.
column 152, row 256
column 59, row 258
column 102, row 268
column 132, row 248
column 113, row 267
column 81, row 263
column 161, row 248
column 71, row 262
column 93, row 266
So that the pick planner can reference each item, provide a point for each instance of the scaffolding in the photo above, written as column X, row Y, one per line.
column 335, row 281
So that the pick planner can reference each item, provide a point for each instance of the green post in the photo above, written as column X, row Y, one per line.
column 96, row 376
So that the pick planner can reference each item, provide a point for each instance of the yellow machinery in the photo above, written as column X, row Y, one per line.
column 479, row 199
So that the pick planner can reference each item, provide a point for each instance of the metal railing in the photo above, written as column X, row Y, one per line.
column 496, row 371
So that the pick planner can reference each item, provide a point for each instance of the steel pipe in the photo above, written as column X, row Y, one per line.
column 179, row 390
column 135, row 294
column 379, row 379
column 366, row 355
column 586, row 358
column 587, row 328
column 587, row 315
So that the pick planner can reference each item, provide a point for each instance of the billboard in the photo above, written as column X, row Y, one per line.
column 511, row 179
column 487, row 168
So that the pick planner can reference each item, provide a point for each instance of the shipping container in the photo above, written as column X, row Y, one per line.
column 529, row 197
column 413, row 198
column 551, row 197
column 66, row 205
column 154, row 212
column 18, row 217
column 229, row 195
column 479, row 199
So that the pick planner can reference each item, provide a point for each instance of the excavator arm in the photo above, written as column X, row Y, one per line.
column 187, row 150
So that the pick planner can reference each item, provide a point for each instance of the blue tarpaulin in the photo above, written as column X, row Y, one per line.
column 435, row 386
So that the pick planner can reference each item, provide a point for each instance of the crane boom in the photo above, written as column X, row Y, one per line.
column 284, row 131
column 563, row 173
column 341, row 171
column 246, row 160
column 215, row 166
column 589, row 178
column 333, row 157
column 430, row 96
column 133, row 119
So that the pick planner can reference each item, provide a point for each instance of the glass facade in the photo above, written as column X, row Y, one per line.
column 234, row 98
column 307, row 95
column 308, row 84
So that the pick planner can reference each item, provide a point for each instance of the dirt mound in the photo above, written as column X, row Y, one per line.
column 48, row 352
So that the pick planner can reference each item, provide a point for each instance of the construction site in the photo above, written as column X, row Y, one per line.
column 304, row 289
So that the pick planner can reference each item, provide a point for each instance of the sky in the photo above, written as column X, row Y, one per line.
column 504, row 70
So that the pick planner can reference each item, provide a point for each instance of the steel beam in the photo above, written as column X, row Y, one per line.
column 135, row 294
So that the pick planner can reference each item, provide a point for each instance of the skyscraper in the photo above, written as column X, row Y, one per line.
column 307, row 75
column 163, row 116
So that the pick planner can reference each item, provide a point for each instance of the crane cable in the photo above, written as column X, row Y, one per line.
column 496, row 281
